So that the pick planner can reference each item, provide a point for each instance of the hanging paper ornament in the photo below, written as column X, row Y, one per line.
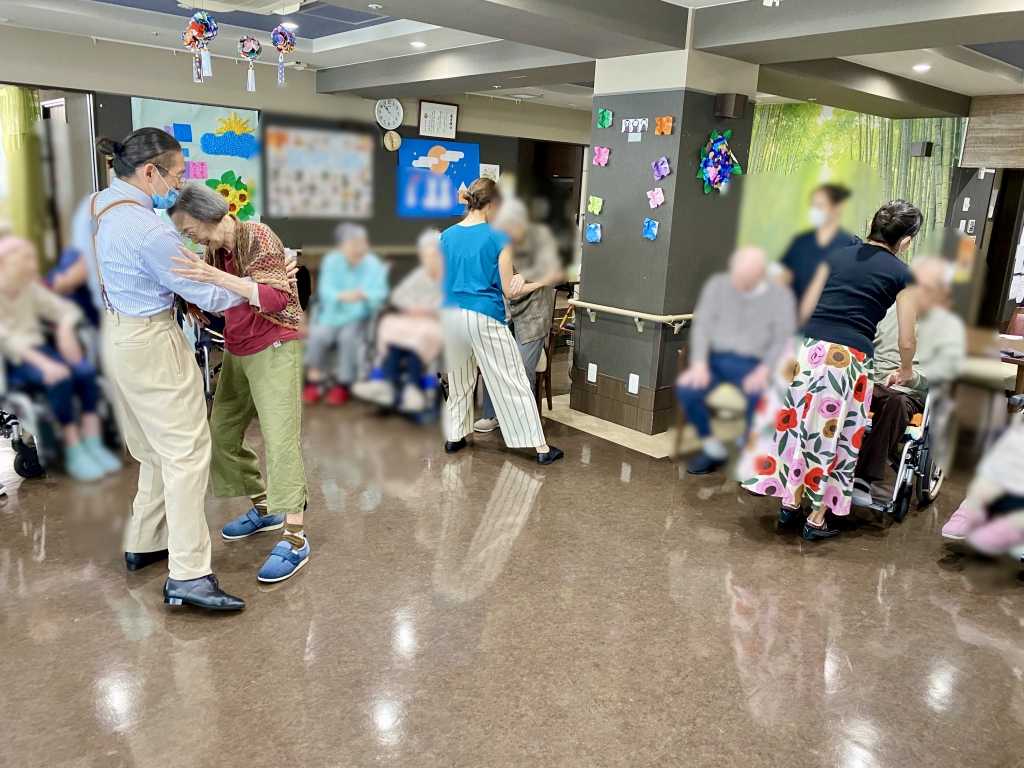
column 595, row 204
column 717, row 163
column 197, row 36
column 650, row 229
column 284, row 40
column 661, row 169
column 664, row 126
column 593, row 233
column 250, row 49
column 604, row 118
column 656, row 196
column 601, row 155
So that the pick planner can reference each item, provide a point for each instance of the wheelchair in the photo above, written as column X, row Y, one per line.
column 923, row 451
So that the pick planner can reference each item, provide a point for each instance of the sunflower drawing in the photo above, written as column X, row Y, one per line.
column 236, row 193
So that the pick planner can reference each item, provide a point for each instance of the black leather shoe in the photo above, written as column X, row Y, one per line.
column 813, row 533
column 137, row 560
column 455, row 447
column 790, row 518
column 202, row 593
column 702, row 464
column 553, row 454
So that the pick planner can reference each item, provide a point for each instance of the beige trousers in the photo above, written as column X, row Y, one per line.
column 158, row 393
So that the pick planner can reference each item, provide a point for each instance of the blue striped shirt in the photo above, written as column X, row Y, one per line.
column 135, row 245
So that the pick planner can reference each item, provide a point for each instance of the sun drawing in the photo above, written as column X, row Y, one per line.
column 233, row 124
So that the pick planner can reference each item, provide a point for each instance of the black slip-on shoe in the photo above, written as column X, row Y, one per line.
column 702, row 464
column 137, row 560
column 790, row 518
column 553, row 454
column 454, row 447
column 811, row 533
column 202, row 593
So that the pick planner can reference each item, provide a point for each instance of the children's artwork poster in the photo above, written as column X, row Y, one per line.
column 221, row 146
column 433, row 177
column 319, row 174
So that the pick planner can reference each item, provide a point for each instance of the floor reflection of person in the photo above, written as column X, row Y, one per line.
column 806, row 443
column 158, row 390
column 261, row 375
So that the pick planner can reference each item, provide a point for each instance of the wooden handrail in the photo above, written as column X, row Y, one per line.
column 676, row 321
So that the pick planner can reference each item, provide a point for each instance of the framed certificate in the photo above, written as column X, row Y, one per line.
column 438, row 120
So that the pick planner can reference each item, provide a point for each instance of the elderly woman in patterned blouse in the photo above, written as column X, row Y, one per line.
column 261, row 374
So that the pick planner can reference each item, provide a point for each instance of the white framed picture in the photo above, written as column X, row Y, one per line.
column 438, row 120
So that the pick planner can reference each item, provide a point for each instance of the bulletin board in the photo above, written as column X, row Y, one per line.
column 433, row 177
column 221, row 147
column 319, row 174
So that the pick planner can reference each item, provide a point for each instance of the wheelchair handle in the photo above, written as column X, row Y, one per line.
column 1017, row 401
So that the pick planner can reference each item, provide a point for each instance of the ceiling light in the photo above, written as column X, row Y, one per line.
column 527, row 96
column 495, row 86
column 922, row 67
column 574, row 105
column 517, row 77
column 375, row 7
column 812, row 99
column 418, row 44
column 291, row 26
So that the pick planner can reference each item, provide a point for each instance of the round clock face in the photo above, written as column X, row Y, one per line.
column 392, row 141
column 389, row 113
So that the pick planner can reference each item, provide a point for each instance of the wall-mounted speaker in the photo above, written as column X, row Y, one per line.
column 921, row 149
column 731, row 105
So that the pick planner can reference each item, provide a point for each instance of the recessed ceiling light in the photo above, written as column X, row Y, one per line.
column 289, row 25
column 375, row 7
column 812, row 99
column 574, row 105
column 517, row 77
column 495, row 86
column 922, row 67
column 418, row 44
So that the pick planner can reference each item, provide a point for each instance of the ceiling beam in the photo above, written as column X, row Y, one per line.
column 480, row 67
column 817, row 29
column 847, row 85
column 591, row 28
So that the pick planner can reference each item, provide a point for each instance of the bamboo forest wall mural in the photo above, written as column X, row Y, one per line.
column 795, row 147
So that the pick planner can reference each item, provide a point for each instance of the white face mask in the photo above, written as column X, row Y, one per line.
column 818, row 217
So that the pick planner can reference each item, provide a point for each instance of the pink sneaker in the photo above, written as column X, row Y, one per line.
column 996, row 537
column 963, row 521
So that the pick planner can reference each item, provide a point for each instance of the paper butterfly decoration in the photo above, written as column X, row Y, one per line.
column 604, row 118
column 661, row 169
column 656, row 196
column 717, row 163
column 601, row 155
column 595, row 204
column 593, row 233
column 664, row 126
column 650, row 229
column 634, row 124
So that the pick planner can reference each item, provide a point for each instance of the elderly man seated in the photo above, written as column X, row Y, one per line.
column 740, row 327
column 941, row 348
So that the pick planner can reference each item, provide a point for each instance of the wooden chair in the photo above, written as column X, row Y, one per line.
column 1016, row 325
column 544, row 368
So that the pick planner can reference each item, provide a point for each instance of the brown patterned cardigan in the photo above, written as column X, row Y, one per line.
column 259, row 255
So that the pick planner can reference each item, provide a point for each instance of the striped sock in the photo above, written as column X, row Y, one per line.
column 259, row 503
column 294, row 535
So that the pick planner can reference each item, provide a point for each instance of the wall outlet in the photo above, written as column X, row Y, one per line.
column 592, row 373
column 967, row 204
column 634, row 384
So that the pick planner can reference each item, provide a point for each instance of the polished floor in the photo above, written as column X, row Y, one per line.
column 478, row 610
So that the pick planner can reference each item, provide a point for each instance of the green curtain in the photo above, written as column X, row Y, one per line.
column 795, row 147
column 19, row 112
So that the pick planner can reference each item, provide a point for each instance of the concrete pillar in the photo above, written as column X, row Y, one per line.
column 696, row 231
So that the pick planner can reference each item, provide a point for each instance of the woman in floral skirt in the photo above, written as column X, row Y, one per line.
column 810, row 426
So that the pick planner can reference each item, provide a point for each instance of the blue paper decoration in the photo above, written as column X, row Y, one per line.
column 593, row 233
column 230, row 144
column 717, row 163
column 182, row 131
column 650, row 229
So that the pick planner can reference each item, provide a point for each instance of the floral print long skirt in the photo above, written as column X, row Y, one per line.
column 809, row 428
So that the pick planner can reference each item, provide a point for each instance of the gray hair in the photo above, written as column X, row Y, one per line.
column 428, row 237
column 512, row 211
column 347, row 230
column 201, row 203
column 936, row 262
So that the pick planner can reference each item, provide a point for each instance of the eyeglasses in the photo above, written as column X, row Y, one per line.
column 189, row 234
column 177, row 177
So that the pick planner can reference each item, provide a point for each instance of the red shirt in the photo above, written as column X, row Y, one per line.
column 247, row 332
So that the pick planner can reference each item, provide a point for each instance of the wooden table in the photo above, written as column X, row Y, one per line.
column 985, row 342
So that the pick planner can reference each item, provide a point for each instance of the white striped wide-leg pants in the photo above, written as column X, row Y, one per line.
column 472, row 340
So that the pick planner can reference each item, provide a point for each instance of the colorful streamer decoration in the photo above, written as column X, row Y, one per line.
column 717, row 163
column 593, row 233
column 664, row 126
column 197, row 37
column 601, row 155
column 250, row 49
column 661, row 169
column 284, row 40
column 604, row 118
column 650, row 229
column 595, row 204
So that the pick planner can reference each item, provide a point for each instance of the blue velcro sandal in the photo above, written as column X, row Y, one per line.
column 251, row 522
column 283, row 562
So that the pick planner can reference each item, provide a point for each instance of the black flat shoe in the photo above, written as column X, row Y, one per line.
column 817, row 534
column 702, row 464
column 202, row 593
column 455, row 447
column 790, row 518
column 553, row 454
column 137, row 560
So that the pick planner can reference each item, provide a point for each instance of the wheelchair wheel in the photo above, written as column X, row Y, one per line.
column 929, row 480
column 901, row 506
column 26, row 461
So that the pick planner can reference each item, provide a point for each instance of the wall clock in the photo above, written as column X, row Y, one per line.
column 389, row 113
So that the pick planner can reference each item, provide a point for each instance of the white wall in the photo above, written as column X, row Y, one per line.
column 47, row 59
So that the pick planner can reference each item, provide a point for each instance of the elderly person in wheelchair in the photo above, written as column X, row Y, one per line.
column 61, row 370
column 941, row 349
column 741, row 325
